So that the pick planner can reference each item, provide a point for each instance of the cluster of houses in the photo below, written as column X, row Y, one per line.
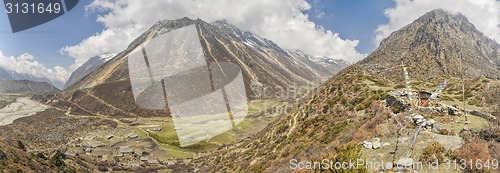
column 122, row 154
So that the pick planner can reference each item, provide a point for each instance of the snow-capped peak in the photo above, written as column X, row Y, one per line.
column 107, row 56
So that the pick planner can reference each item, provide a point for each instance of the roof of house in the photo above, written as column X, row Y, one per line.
column 153, row 161
column 125, row 149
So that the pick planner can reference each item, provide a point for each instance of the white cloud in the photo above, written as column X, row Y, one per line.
column 26, row 64
column 484, row 14
column 320, row 15
column 279, row 20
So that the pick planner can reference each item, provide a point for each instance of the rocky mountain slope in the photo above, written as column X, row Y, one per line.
column 438, row 43
column 332, row 65
column 12, row 75
column 13, row 159
column 88, row 67
column 26, row 86
column 264, row 64
column 263, row 61
column 350, row 107
column 36, row 143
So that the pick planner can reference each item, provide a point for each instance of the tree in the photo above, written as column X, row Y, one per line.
column 57, row 159
column 21, row 146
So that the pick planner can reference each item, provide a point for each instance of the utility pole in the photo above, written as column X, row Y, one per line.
column 463, row 86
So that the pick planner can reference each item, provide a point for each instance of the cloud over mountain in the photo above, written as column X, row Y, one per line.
column 282, row 21
column 26, row 64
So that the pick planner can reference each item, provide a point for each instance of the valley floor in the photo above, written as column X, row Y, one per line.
column 22, row 107
column 126, row 142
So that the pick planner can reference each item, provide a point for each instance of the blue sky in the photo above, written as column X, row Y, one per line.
column 355, row 20
column 45, row 41
column 352, row 19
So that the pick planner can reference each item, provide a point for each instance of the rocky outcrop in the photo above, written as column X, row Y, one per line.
column 437, row 44
column 3, row 156
column 88, row 67
column 374, row 144
column 25, row 86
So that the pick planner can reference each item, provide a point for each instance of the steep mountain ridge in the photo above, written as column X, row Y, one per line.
column 348, row 107
column 438, row 43
column 88, row 67
column 26, row 86
column 263, row 64
column 221, row 37
column 12, row 75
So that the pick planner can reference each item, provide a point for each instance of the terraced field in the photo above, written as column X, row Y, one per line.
column 161, row 133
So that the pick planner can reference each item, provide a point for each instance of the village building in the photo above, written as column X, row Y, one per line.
column 144, row 158
column 424, row 99
column 109, row 137
column 153, row 162
column 133, row 136
column 126, row 150
column 70, row 154
column 154, row 129
column 139, row 152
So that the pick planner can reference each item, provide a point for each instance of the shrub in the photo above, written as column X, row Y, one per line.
column 3, row 156
column 445, row 132
column 103, row 169
column 435, row 152
column 347, row 153
column 446, row 98
column 468, row 93
column 21, row 146
column 396, row 109
column 57, row 160
column 472, row 102
column 41, row 156
column 490, row 133
column 474, row 152
column 399, row 86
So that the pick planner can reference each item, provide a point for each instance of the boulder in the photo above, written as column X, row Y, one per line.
column 452, row 110
column 376, row 144
column 430, row 122
column 427, row 110
column 438, row 127
column 438, row 109
column 403, row 139
column 367, row 145
column 393, row 101
column 405, row 162
column 418, row 118
column 466, row 131
column 448, row 142
column 3, row 156
column 424, row 123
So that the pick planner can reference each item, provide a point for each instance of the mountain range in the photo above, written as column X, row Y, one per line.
column 330, row 122
column 347, row 108
column 88, row 67
column 13, row 82
column 26, row 86
column 263, row 64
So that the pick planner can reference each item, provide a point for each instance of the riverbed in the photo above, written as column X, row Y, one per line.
column 22, row 107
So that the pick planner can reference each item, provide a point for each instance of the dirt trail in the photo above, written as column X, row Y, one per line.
column 23, row 107
column 293, row 125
